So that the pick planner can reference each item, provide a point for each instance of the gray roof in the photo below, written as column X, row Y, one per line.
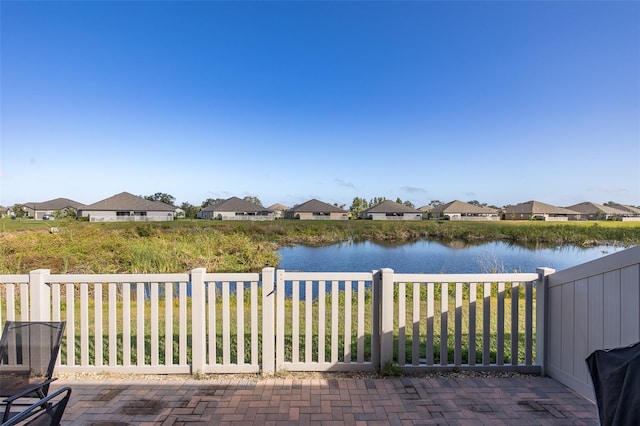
column 627, row 209
column 55, row 204
column 463, row 208
column 389, row 206
column 129, row 202
column 235, row 204
column 315, row 206
column 536, row 207
column 588, row 207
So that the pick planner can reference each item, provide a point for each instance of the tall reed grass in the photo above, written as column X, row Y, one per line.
column 238, row 246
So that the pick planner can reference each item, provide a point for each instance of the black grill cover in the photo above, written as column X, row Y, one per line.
column 616, row 381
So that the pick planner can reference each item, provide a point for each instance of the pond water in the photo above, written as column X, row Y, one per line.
column 436, row 258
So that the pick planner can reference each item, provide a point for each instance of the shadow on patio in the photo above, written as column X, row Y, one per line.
column 453, row 399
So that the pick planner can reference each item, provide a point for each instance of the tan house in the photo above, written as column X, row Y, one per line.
column 316, row 210
column 592, row 211
column 52, row 208
column 459, row 210
column 278, row 209
column 125, row 207
column 390, row 210
column 535, row 210
column 235, row 208
column 426, row 211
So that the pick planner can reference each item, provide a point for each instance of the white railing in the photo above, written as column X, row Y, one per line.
column 459, row 320
column 265, row 322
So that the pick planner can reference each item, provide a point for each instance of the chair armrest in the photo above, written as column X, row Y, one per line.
column 42, row 403
column 38, row 389
column 31, row 389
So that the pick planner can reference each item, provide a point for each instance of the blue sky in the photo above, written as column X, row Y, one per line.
column 500, row 102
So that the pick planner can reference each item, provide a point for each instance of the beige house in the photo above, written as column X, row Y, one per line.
column 426, row 211
column 535, row 210
column 125, row 207
column 390, row 210
column 278, row 209
column 235, row 208
column 592, row 211
column 316, row 210
column 48, row 209
column 459, row 210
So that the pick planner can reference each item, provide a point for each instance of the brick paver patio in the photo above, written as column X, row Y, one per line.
column 523, row 400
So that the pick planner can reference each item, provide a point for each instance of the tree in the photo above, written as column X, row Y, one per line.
column 477, row 203
column 358, row 206
column 70, row 213
column 190, row 211
column 435, row 203
column 19, row 211
column 162, row 197
column 409, row 204
column 211, row 201
column 254, row 200
column 376, row 200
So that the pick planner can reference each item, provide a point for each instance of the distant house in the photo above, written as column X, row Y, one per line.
column 127, row 207
column 426, row 211
column 459, row 210
column 316, row 210
column 631, row 214
column 535, row 210
column 236, row 209
column 592, row 211
column 6, row 212
column 390, row 210
column 278, row 210
column 179, row 213
column 48, row 209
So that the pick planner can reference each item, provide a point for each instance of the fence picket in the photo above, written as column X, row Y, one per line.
column 473, row 296
column 500, row 326
column 97, row 330
column 415, row 335
column 514, row 322
column 457, row 352
column 444, row 324
column 322, row 320
column 402, row 323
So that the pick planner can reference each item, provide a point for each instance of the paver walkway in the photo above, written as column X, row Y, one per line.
column 526, row 400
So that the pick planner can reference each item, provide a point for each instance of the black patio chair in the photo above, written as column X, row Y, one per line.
column 46, row 412
column 615, row 374
column 28, row 354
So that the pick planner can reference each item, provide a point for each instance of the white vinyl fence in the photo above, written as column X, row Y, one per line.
column 280, row 320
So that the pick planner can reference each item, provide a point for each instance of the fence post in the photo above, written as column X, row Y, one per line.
column 268, row 321
column 386, row 317
column 376, row 284
column 199, row 321
column 542, row 322
column 39, row 295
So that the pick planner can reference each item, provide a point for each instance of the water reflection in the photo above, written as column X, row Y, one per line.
column 438, row 257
